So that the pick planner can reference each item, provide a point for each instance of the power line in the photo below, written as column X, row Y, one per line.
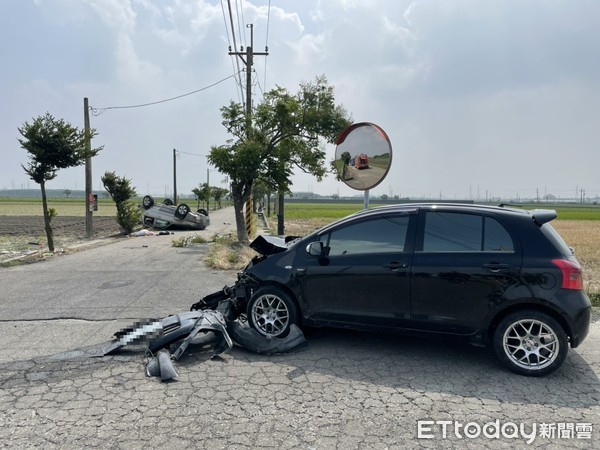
column 240, row 12
column 235, row 45
column 267, row 42
column 188, row 153
column 238, row 81
column 98, row 111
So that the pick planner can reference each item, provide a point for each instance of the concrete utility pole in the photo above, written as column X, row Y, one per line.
column 89, row 199
column 249, row 62
column 175, row 176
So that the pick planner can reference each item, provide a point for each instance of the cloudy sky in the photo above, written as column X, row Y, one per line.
column 479, row 98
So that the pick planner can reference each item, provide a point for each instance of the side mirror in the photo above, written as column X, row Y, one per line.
column 315, row 248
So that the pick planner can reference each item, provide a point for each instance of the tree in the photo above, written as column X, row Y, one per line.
column 218, row 194
column 53, row 144
column 202, row 194
column 345, row 156
column 67, row 192
column 283, row 133
column 121, row 191
column 260, row 190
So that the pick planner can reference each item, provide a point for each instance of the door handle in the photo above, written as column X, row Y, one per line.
column 496, row 267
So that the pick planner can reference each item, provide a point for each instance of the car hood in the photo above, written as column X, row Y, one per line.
column 269, row 245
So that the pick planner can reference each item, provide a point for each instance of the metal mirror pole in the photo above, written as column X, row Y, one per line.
column 366, row 199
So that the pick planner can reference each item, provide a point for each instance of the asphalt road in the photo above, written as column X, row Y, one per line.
column 346, row 390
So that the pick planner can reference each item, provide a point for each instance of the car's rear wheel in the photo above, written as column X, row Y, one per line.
column 271, row 312
column 181, row 211
column 203, row 212
column 530, row 343
column 147, row 202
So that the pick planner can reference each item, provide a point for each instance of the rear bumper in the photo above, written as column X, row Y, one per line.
column 577, row 312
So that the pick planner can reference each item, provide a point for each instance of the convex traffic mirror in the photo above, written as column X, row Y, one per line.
column 363, row 156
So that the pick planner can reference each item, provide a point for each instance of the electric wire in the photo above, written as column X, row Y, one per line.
column 237, row 80
column 235, row 46
column 98, row 111
column 240, row 12
column 267, row 43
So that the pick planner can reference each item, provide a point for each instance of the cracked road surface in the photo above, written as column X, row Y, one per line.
column 347, row 390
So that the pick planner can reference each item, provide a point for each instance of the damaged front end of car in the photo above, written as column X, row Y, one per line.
column 217, row 320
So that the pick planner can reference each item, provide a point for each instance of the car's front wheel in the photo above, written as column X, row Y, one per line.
column 530, row 343
column 181, row 211
column 271, row 312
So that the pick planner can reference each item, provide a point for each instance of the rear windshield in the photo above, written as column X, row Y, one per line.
column 555, row 238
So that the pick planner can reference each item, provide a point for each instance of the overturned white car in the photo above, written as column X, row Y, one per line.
column 167, row 214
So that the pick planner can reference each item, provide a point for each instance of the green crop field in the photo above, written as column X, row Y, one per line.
column 299, row 211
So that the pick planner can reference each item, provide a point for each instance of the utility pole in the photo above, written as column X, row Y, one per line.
column 175, row 176
column 247, row 58
column 89, row 199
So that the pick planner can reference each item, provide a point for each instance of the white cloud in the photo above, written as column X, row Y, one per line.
column 470, row 92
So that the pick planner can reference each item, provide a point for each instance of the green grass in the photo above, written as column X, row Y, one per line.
column 594, row 299
column 301, row 211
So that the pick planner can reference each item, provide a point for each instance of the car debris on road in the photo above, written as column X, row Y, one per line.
column 212, row 321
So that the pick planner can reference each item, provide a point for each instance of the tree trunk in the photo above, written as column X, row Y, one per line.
column 47, row 224
column 240, row 221
column 280, row 214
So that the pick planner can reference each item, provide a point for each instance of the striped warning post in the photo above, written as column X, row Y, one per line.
column 250, row 226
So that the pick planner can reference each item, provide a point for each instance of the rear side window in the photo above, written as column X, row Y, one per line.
column 381, row 235
column 457, row 232
column 555, row 238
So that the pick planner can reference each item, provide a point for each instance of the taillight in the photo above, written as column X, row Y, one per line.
column 571, row 274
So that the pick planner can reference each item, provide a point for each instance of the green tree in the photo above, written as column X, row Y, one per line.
column 283, row 133
column 67, row 192
column 218, row 194
column 345, row 160
column 53, row 144
column 121, row 191
column 203, row 194
column 260, row 190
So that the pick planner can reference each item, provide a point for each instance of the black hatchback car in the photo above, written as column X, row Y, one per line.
column 493, row 275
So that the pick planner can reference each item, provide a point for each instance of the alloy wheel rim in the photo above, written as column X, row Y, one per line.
column 531, row 344
column 270, row 315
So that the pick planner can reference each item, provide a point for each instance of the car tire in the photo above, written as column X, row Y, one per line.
column 203, row 212
column 168, row 202
column 147, row 202
column 531, row 343
column 271, row 312
column 181, row 211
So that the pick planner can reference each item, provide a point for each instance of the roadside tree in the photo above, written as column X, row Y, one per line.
column 283, row 133
column 53, row 144
column 203, row 194
column 218, row 195
column 121, row 191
